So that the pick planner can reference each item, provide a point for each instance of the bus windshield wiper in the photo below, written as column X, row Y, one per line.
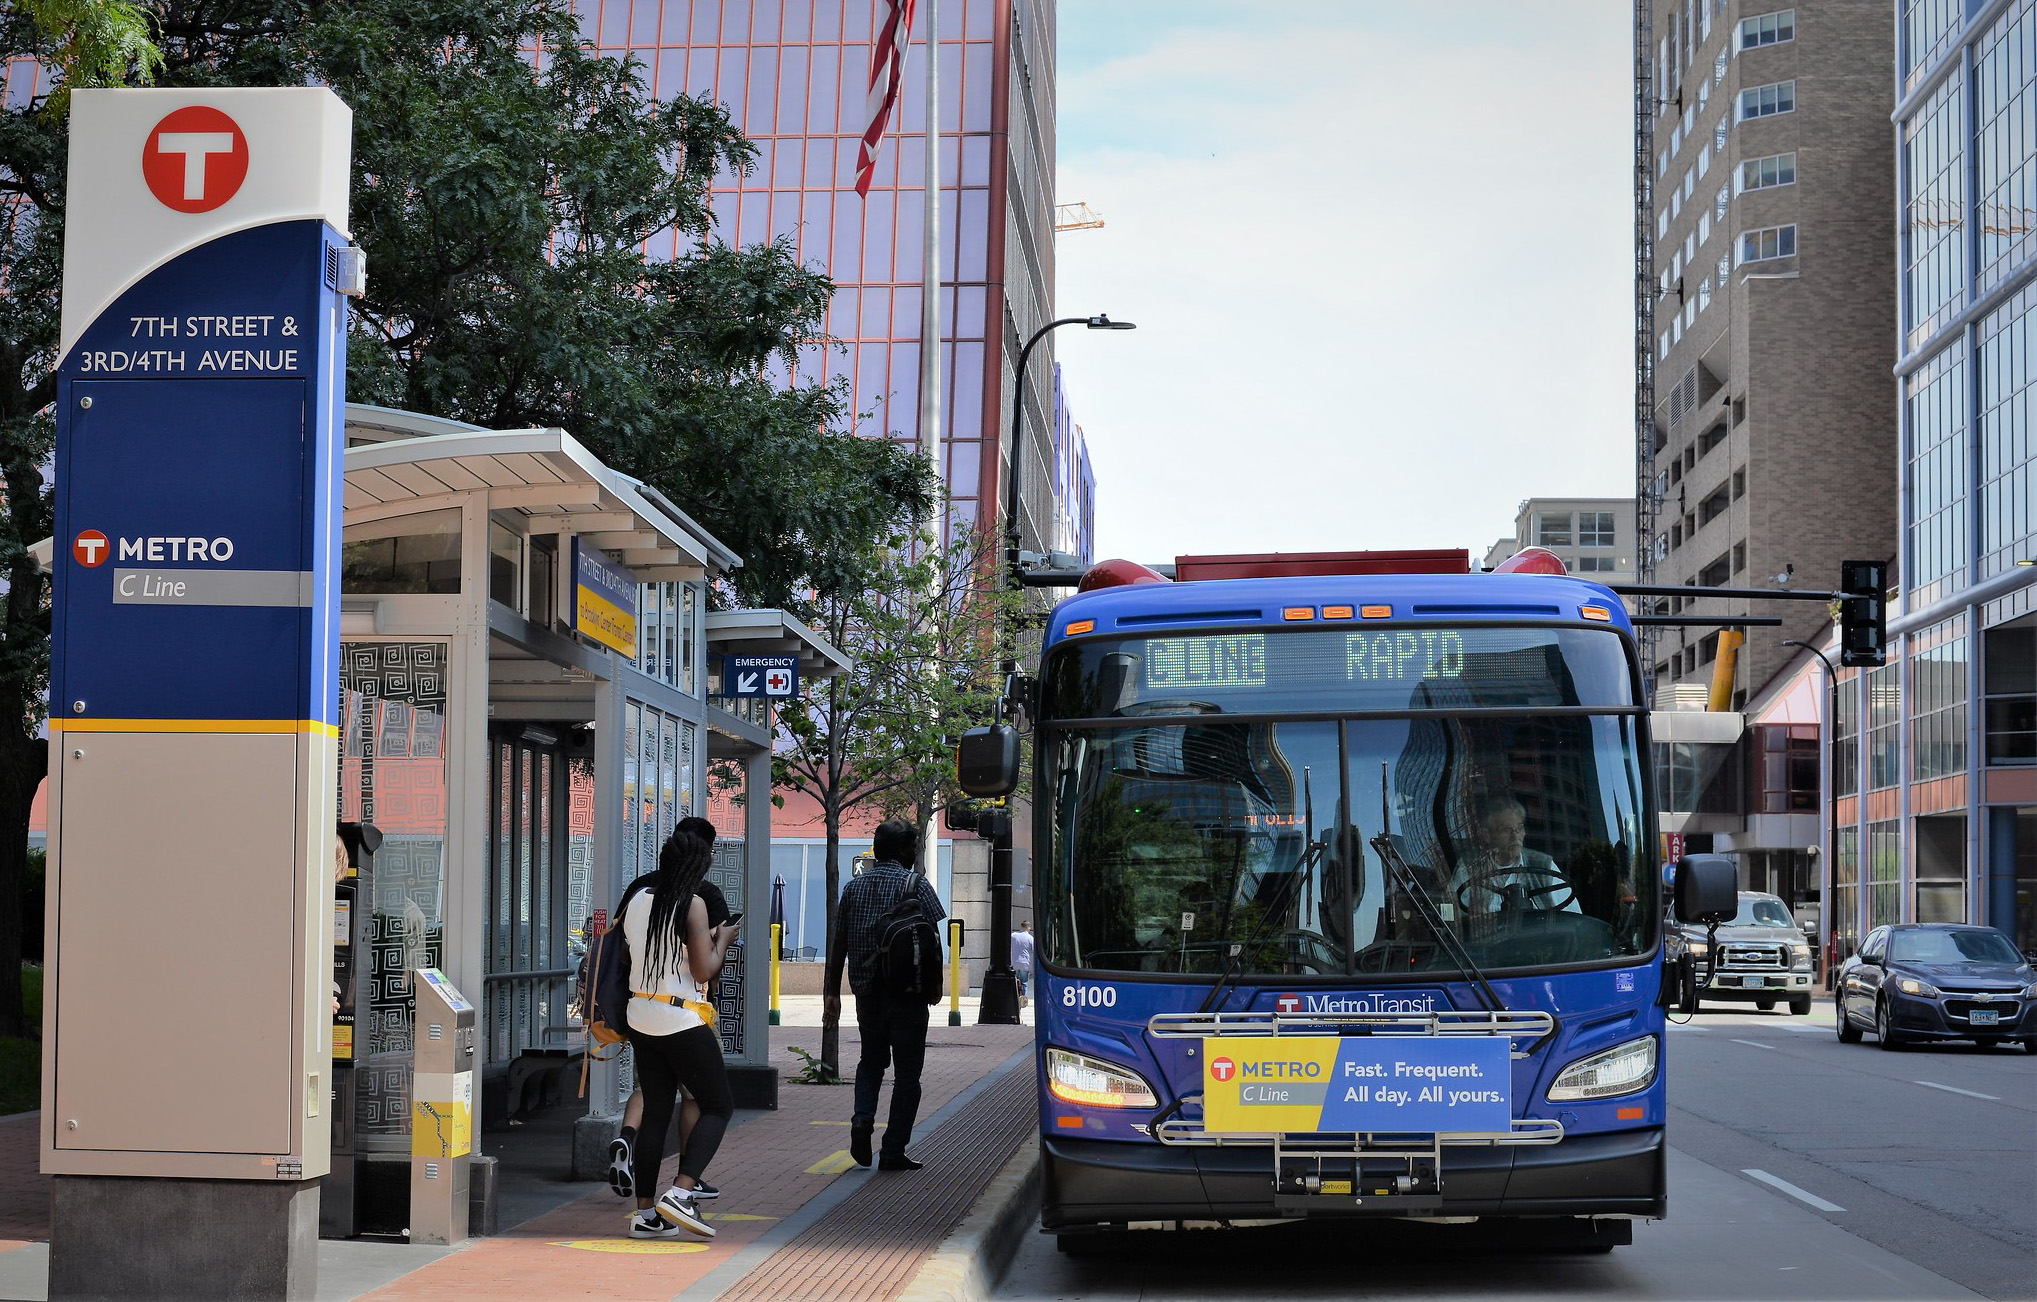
column 1234, row 966
column 1446, row 936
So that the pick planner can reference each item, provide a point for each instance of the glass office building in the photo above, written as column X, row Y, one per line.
column 793, row 73
column 1938, row 811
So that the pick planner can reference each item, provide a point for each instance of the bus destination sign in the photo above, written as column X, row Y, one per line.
column 1389, row 656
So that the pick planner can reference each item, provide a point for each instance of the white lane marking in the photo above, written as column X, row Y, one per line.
column 1813, row 1028
column 1800, row 1195
column 1756, row 1044
column 1954, row 1089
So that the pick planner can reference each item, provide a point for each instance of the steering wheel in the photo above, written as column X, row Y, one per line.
column 1519, row 894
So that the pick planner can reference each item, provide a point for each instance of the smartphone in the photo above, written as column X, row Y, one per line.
column 732, row 918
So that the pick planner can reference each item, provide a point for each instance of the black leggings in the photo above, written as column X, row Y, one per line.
column 664, row 1062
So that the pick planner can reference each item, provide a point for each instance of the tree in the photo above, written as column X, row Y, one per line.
column 922, row 635
column 505, row 203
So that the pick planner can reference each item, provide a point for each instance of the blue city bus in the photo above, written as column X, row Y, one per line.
column 1348, row 904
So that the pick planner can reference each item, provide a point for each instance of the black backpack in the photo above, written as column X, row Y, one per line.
column 909, row 949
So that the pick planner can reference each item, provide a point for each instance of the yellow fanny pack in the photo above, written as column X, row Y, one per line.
column 704, row 1011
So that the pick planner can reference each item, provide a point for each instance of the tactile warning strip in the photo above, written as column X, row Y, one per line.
column 870, row 1246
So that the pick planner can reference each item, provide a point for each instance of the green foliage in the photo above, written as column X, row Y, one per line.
column 93, row 43
column 818, row 1071
column 21, row 1056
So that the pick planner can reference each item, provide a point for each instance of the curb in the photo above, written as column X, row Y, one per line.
column 973, row 1258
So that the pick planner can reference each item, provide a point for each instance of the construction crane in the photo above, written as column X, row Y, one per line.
column 1076, row 217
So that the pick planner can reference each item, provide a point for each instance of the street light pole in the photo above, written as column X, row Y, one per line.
column 1828, row 886
column 1000, row 1003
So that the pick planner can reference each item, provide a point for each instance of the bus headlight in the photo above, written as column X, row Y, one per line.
column 1094, row 1083
column 1622, row 1069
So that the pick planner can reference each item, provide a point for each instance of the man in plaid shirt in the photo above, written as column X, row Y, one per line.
column 891, row 1028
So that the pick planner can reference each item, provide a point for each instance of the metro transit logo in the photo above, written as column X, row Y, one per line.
column 195, row 159
column 1222, row 1068
column 91, row 549
column 1288, row 1004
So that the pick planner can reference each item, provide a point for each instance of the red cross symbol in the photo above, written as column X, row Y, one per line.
column 778, row 683
column 1222, row 1068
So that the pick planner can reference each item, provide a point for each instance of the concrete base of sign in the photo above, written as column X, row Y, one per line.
column 115, row 1236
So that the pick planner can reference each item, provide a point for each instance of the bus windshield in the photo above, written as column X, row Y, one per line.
column 1503, row 773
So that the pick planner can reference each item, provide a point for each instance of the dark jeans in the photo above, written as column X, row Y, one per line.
column 664, row 1062
column 893, row 1030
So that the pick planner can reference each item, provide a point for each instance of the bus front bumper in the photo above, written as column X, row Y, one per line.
column 1097, row 1183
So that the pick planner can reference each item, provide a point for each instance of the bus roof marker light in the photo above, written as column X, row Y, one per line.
column 1293, row 613
column 1079, row 626
column 1376, row 612
column 1338, row 612
column 1598, row 613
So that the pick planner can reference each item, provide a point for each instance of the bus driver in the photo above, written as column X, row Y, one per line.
column 1503, row 874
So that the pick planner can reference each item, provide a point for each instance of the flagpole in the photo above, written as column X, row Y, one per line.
column 930, row 292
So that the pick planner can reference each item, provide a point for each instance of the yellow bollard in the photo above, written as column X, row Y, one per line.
column 777, row 944
column 954, row 971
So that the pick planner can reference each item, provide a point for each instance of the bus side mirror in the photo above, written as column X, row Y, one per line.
column 987, row 761
column 1707, row 888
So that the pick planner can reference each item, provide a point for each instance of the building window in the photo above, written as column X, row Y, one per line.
column 2005, row 373
column 409, row 553
column 1767, row 101
column 1552, row 530
column 1884, row 715
column 1719, row 72
column 1739, row 484
column 1767, row 244
column 1723, row 202
column 1929, row 28
column 1884, row 873
column 1711, row 438
column 1662, row 224
column 1714, row 506
column 1704, row 161
column 1768, row 29
column 1935, row 403
column 1595, row 565
column 1717, row 574
column 1938, row 700
column 1722, row 131
column 1704, row 295
column 1789, row 768
column 1766, row 173
column 1725, row 268
column 1739, row 558
column 1704, row 227
column 1595, row 529
column 1934, row 213
column 2009, row 686
column 1846, row 747
column 2005, row 144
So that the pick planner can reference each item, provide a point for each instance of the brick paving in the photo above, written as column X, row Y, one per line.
column 870, row 1246
column 24, row 1190
column 771, row 1166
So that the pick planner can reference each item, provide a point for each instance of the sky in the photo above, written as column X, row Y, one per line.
column 1380, row 258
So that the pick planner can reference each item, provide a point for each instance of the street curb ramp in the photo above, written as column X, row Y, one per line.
column 973, row 1258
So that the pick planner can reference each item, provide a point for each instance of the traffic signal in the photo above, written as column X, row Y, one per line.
column 1863, row 612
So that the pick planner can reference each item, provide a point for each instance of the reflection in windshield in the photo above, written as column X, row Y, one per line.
column 1181, row 845
column 1952, row 947
column 1761, row 911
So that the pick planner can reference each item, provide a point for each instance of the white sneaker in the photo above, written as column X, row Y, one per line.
column 647, row 1224
column 677, row 1206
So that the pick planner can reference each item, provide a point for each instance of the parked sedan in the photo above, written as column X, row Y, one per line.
column 1938, row 981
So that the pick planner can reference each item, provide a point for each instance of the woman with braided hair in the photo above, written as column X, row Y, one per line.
column 674, row 956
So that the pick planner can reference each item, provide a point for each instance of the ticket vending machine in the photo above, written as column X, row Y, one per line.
column 339, row 1205
column 441, row 1110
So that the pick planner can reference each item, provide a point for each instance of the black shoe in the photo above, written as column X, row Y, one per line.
column 898, row 1162
column 859, row 1141
column 702, row 1189
column 619, row 1178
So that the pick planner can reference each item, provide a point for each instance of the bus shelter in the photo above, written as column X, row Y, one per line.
column 526, row 713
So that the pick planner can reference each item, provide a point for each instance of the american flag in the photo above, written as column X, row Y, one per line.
column 887, row 65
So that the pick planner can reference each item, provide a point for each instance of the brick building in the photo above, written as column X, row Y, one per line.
column 1774, row 426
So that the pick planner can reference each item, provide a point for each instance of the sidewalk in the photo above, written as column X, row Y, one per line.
column 796, row 1218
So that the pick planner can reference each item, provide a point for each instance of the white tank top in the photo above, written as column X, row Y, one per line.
column 656, row 1016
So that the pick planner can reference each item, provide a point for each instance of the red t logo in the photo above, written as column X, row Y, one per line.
column 90, row 550
column 195, row 159
column 1222, row 1068
column 1288, row 1003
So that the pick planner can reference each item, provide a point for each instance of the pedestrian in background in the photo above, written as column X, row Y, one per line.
column 893, row 1030
column 1022, row 956
column 673, row 958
